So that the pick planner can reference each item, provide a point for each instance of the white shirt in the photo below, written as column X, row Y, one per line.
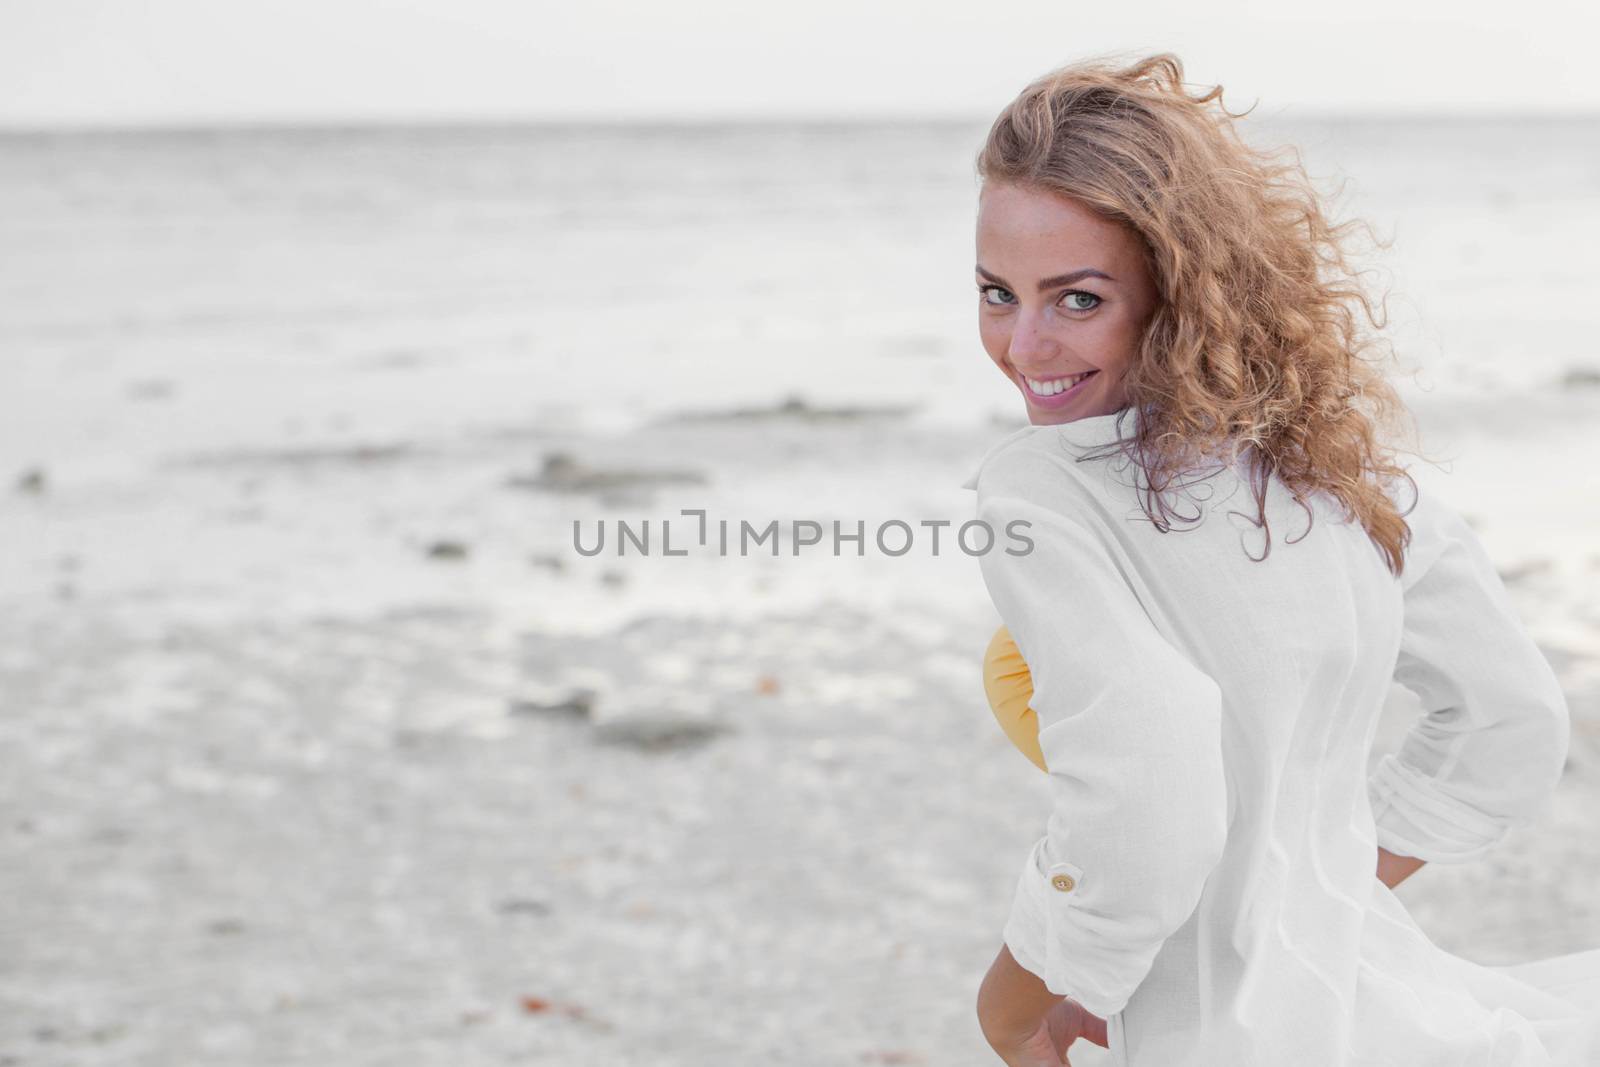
column 1207, row 720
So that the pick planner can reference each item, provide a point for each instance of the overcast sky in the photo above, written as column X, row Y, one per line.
column 164, row 62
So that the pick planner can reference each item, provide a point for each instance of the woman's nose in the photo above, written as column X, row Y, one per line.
column 1030, row 342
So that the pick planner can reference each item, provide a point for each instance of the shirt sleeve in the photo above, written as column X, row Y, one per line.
column 1130, row 731
column 1490, row 746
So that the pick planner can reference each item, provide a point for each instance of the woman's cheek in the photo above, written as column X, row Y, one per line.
column 994, row 337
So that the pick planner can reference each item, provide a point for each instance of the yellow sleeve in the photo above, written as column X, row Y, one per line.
column 1009, row 687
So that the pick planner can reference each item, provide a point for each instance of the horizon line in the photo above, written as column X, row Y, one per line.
column 624, row 121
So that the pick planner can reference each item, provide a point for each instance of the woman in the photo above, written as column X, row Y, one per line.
column 1192, row 348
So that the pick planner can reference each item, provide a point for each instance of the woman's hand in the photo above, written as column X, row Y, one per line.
column 1048, row 1045
column 1025, row 1023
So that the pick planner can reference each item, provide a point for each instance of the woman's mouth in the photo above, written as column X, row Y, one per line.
column 1050, row 393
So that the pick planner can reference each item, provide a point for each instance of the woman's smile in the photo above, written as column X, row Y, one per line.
column 1052, row 393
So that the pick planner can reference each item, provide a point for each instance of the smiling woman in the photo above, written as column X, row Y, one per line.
column 1213, row 885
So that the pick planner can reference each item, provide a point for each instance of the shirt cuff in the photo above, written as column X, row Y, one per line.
column 1415, row 819
column 1043, row 891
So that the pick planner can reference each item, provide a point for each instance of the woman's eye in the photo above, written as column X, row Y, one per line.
column 1076, row 300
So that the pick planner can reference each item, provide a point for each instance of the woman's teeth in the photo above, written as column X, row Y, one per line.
column 1056, row 385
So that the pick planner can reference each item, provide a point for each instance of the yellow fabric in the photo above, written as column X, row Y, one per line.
column 1009, row 686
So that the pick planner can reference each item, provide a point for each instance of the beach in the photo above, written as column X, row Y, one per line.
column 322, row 742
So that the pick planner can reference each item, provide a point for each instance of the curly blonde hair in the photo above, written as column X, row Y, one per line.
column 1261, row 334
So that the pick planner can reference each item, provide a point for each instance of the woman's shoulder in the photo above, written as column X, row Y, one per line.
column 1435, row 524
column 1005, row 443
column 1035, row 457
column 1035, row 465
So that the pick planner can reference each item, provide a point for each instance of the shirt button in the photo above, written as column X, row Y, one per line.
column 1063, row 882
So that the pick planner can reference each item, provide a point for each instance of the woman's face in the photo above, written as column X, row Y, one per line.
column 1061, row 292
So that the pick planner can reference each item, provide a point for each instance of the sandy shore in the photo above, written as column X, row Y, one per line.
column 340, row 754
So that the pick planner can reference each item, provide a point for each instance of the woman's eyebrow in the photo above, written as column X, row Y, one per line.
column 1058, row 280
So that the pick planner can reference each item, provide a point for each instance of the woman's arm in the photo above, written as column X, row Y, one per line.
column 1488, row 751
column 1394, row 869
column 1130, row 732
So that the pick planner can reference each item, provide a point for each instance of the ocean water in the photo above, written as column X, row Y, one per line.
column 176, row 294
column 612, row 274
column 324, row 742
